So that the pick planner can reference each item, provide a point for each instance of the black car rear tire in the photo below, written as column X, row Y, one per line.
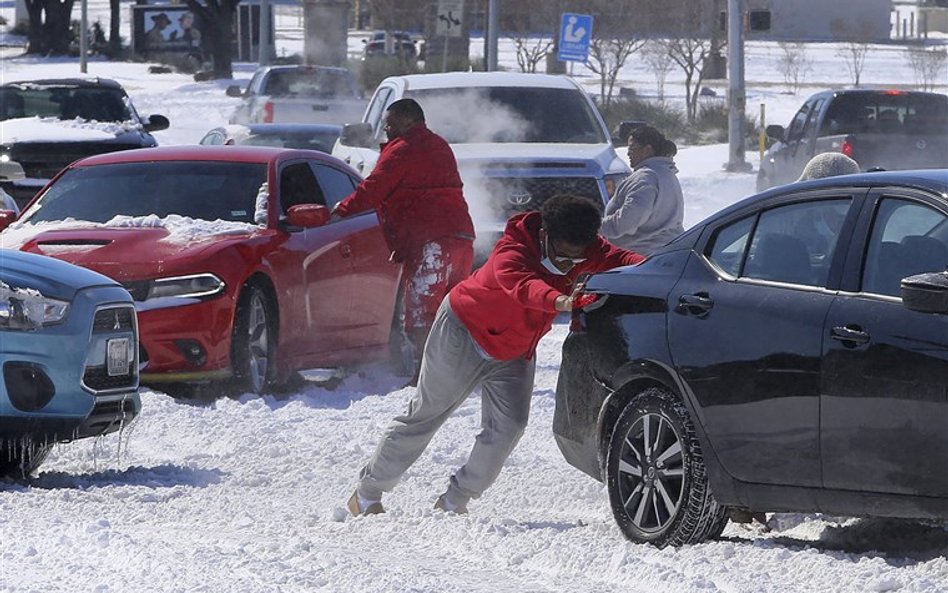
column 19, row 459
column 655, row 474
column 254, row 341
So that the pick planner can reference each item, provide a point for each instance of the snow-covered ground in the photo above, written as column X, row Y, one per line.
column 248, row 494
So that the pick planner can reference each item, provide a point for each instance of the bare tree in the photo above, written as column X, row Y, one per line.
column 856, row 36
column 531, row 52
column 612, row 42
column 49, row 30
column 606, row 58
column 690, row 53
column 928, row 65
column 690, row 45
column 656, row 57
column 794, row 64
column 219, row 35
column 520, row 21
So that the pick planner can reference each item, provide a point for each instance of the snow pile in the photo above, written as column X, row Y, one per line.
column 181, row 229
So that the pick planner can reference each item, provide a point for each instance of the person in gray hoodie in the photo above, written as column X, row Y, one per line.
column 647, row 208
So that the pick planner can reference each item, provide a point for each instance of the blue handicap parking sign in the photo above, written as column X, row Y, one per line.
column 575, row 33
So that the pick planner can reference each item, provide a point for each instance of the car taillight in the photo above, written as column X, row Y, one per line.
column 268, row 112
column 847, row 147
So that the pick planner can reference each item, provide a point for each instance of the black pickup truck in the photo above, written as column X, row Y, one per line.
column 887, row 129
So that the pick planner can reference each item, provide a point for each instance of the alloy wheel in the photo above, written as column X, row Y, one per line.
column 258, row 336
column 651, row 473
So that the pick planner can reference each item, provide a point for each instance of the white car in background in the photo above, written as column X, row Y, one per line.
column 519, row 139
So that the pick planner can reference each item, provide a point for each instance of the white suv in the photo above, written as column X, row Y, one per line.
column 519, row 139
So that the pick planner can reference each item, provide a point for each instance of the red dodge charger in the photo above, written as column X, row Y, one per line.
column 236, row 269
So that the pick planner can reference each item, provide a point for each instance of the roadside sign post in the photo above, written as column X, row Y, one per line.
column 575, row 33
column 448, row 23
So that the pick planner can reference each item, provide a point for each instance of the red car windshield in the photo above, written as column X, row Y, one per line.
column 201, row 190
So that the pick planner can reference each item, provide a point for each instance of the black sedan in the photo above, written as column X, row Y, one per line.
column 320, row 137
column 789, row 353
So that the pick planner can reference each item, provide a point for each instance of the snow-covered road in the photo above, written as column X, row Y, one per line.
column 247, row 495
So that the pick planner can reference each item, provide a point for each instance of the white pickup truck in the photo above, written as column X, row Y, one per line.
column 519, row 139
column 298, row 94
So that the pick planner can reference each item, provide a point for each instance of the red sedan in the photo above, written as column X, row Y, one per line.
column 230, row 254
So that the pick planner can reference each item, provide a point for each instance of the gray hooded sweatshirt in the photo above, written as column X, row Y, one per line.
column 647, row 208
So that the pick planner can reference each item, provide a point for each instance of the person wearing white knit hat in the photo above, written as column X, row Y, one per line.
column 829, row 164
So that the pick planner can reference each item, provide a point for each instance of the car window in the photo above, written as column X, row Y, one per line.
column 200, row 190
column 336, row 184
column 298, row 186
column 213, row 138
column 374, row 113
column 886, row 112
column 810, row 127
column 510, row 114
column 63, row 102
column 729, row 245
column 795, row 130
column 907, row 238
column 796, row 243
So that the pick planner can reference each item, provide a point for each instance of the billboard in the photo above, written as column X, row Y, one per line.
column 167, row 28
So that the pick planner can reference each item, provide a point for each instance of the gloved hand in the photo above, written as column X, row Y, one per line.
column 584, row 300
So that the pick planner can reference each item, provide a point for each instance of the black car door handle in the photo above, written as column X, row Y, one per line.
column 848, row 334
column 695, row 304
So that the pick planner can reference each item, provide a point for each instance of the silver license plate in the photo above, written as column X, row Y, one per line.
column 117, row 356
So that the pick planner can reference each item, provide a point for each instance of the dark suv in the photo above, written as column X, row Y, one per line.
column 48, row 124
column 789, row 353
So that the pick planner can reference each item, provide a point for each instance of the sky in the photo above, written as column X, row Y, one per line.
column 247, row 494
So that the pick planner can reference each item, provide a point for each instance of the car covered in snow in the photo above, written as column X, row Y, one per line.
column 47, row 124
column 69, row 354
column 789, row 353
column 236, row 269
column 519, row 139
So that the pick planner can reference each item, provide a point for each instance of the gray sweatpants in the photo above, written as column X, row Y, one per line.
column 452, row 367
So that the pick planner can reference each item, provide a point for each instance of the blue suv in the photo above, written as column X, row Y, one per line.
column 68, row 354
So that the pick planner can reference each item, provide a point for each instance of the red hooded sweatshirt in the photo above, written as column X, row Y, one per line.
column 507, row 305
column 416, row 190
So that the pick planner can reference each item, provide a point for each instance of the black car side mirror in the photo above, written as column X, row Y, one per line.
column 155, row 123
column 234, row 91
column 775, row 131
column 926, row 293
column 356, row 135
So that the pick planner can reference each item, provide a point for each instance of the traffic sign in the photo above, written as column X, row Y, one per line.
column 575, row 33
column 450, row 18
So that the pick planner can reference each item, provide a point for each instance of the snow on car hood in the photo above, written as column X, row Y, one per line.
column 51, row 129
column 124, row 247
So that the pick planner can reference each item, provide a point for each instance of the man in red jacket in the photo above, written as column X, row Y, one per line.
column 416, row 189
column 485, row 334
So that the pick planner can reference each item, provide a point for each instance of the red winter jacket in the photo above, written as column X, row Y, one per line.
column 508, row 304
column 416, row 190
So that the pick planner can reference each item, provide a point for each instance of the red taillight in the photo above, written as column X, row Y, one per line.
column 847, row 147
column 268, row 112
column 894, row 93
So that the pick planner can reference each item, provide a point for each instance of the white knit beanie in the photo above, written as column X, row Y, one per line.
column 828, row 164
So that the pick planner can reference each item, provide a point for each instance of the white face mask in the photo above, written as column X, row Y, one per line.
column 547, row 262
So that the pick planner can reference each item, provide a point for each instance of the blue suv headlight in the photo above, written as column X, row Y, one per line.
column 26, row 309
